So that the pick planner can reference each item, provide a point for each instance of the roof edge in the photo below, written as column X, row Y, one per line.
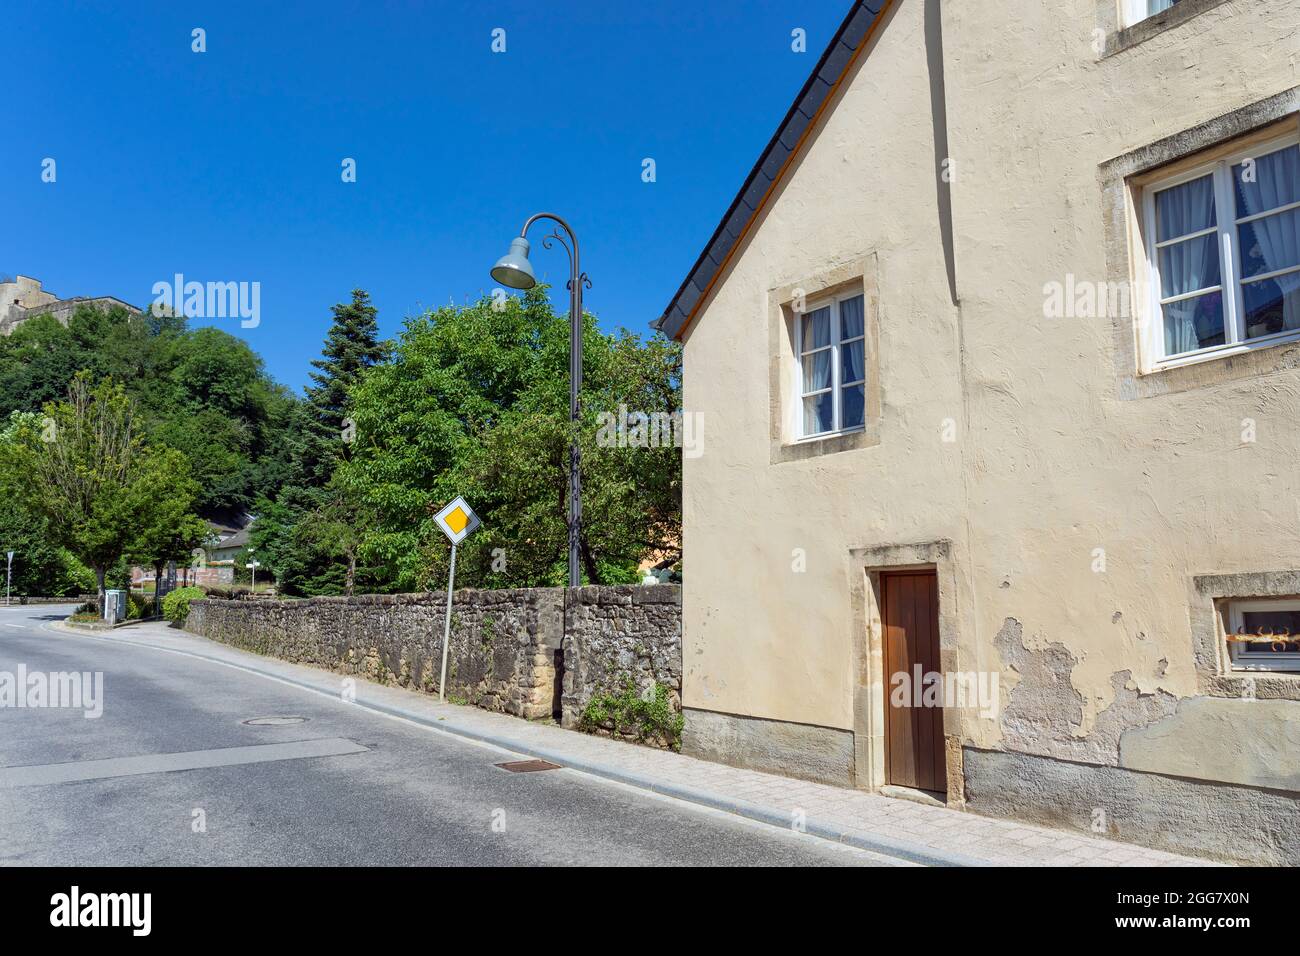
column 840, row 55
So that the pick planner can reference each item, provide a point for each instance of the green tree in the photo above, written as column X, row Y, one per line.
column 201, row 391
column 39, row 567
column 302, row 531
column 167, row 529
column 337, row 529
column 475, row 402
column 89, row 475
column 36, row 364
column 351, row 346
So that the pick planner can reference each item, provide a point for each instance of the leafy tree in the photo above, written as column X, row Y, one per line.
column 39, row 567
column 168, row 530
column 201, row 391
column 337, row 530
column 475, row 402
column 88, row 474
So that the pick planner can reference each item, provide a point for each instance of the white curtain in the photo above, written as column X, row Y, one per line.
column 1187, row 266
column 1278, row 236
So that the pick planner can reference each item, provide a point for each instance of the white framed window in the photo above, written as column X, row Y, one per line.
column 831, row 342
column 1223, row 253
column 1135, row 11
column 1264, row 634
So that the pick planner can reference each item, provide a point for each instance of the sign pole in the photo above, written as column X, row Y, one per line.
column 9, row 568
column 446, row 628
column 457, row 521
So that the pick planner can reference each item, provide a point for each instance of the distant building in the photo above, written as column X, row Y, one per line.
column 228, row 543
column 23, row 298
column 214, row 564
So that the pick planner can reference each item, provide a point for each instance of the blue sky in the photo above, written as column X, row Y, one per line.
column 225, row 165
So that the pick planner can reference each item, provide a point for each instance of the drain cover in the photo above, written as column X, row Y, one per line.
column 528, row 766
column 274, row 721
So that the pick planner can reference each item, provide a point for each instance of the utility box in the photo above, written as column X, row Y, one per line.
column 114, row 606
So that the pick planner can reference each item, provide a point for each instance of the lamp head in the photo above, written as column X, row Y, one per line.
column 513, row 269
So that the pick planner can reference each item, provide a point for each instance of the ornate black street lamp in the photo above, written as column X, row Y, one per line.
column 514, row 270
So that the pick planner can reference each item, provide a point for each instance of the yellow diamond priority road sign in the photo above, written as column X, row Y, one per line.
column 457, row 520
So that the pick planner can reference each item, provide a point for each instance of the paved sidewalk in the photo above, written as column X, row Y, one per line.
column 915, row 832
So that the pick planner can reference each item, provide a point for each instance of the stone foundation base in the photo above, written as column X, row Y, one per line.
column 1195, row 817
column 820, row 754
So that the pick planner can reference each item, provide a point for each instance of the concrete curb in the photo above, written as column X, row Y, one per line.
column 888, row 846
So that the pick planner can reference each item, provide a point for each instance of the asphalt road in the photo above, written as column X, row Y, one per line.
column 345, row 787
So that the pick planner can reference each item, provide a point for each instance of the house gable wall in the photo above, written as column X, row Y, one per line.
column 1078, row 516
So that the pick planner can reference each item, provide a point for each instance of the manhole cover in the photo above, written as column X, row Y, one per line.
column 274, row 721
column 528, row 766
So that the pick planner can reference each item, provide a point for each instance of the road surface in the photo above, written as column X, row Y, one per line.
column 171, row 774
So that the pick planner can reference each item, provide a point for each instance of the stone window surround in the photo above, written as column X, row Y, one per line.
column 1120, row 38
column 1121, row 180
column 1214, row 674
column 783, row 400
column 870, row 692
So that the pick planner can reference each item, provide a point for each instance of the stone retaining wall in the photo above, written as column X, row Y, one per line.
column 531, row 652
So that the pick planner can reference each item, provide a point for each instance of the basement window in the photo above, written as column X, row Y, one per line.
column 1264, row 634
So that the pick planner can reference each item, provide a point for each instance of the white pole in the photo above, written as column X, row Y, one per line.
column 9, row 566
column 446, row 629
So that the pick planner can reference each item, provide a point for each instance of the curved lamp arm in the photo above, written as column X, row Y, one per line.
column 576, row 275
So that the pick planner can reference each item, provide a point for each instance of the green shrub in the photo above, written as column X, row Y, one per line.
column 650, row 718
column 176, row 605
column 138, row 607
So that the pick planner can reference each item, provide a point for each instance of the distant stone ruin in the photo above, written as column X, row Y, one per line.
column 23, row 298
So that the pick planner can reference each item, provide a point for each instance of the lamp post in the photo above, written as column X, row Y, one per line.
column 514, row 270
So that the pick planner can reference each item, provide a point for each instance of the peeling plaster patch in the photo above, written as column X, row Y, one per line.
column 1129, row 710
column 1044, row 712
column 1041, row 704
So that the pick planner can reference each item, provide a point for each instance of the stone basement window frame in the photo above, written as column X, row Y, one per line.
column 1124, row 24
column 1123, row 181
column 787, row 444
column 1214, row 595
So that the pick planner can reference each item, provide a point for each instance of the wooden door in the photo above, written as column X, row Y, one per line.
column 914, row 746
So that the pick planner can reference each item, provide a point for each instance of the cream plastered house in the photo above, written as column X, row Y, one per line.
column 998, row 350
